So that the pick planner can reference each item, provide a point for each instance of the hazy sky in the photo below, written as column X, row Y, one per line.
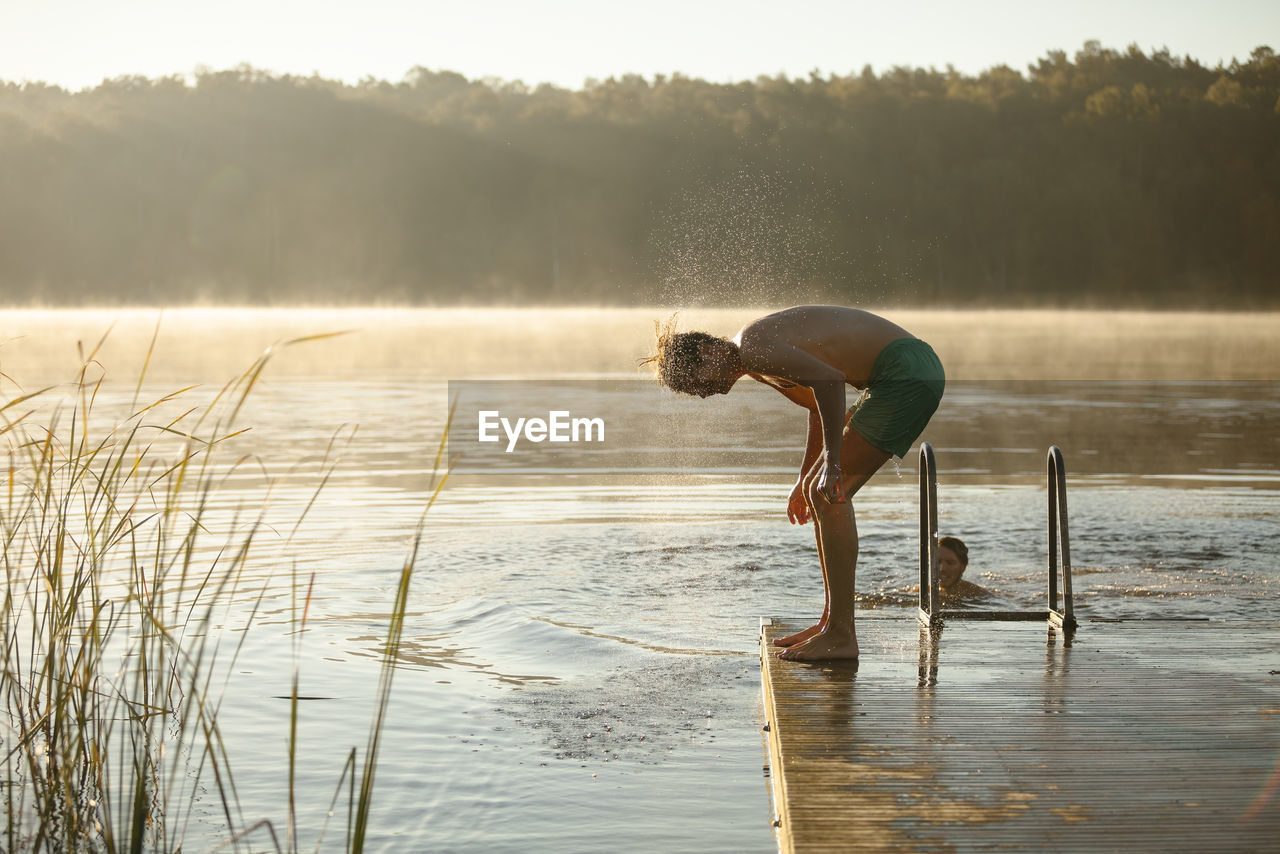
column 78, row 43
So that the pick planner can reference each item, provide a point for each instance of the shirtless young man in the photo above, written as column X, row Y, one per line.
column 809, row 354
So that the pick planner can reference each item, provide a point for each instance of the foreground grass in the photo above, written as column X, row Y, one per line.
column 123, row 583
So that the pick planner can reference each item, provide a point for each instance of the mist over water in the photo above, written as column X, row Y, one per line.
column 586, row 633
column 212, row 344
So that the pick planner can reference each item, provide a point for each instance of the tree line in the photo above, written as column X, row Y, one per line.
column 1111, row 177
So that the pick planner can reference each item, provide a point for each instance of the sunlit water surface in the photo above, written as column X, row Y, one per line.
column 580, row 668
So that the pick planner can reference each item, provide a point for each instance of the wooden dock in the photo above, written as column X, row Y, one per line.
column 980, row 735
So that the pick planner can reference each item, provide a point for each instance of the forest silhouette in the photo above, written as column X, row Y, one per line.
column 1107, row 178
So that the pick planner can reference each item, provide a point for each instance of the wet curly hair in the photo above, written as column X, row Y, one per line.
column 678, row 356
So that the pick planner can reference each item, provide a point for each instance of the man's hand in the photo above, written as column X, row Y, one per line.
column 797, row 507
column 830, row 486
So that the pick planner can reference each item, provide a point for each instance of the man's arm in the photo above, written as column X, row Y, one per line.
column 797, row 503
column 768, row 355
column 813, row 442
column 797, row 509
column 830, row 398
column 802, row 396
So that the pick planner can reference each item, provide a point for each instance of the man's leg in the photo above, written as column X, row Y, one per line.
column 838, row 552
column 811, row 477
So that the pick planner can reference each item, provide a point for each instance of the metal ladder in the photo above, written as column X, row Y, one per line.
column 931, row 613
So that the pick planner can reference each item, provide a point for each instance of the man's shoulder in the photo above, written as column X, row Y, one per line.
column 756, row 334
column 750, row 335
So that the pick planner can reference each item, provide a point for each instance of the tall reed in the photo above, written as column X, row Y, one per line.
column 124, row 578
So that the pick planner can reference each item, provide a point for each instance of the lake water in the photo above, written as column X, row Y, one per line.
column 580, row 669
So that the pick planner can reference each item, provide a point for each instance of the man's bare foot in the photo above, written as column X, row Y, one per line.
column 824, row 646
column 799, row 637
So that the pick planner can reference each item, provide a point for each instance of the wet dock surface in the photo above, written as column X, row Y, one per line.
column 981, row 735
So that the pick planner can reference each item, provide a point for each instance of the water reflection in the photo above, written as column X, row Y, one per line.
column 1057, row 648
column 432, row 653
column 930, row 650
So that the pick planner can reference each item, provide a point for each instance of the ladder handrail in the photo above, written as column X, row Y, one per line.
column 1059, row 539
column 929, row 599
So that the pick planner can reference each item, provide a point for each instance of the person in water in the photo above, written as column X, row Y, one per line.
column 809, row 354
column 953, row 559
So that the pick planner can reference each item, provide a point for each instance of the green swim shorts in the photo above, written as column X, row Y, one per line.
column 902, row 394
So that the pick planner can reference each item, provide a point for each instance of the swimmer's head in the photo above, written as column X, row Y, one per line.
column 953, row 558
column 696, row 363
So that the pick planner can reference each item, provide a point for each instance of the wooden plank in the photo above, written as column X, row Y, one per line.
column 983, row 735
